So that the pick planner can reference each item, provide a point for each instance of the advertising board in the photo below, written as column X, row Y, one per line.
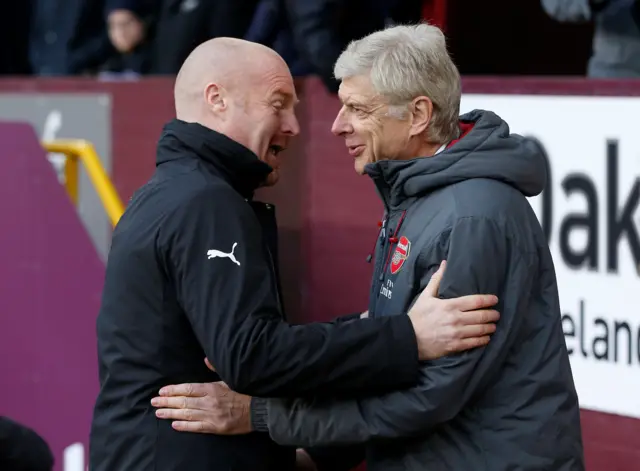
column 590, row 215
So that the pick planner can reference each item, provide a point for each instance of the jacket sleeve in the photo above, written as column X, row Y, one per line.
column 481, row 258
column 233, row 307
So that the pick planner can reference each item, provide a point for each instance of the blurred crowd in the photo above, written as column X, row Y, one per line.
column 141, row 37
column 130, row 38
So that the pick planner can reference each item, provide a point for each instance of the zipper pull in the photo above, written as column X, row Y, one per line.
column 370, row 256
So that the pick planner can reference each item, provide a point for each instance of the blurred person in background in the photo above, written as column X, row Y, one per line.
column 192, row 273
column 311, row 34
column 14, row 38
column 22, row 449
column 68, row 37
column 184, row 24
column 455, row 188
column 130, row 25
column 616, row 39
column 71, row 37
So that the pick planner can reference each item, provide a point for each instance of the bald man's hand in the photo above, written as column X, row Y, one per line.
column 446, row 326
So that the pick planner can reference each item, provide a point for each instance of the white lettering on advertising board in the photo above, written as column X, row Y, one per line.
column 590, row 214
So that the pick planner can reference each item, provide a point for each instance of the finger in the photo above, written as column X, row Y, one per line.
column 209, row 365
column 186, row 389
column 483, row 316
column 471, row 331
column 176, row 402
column 434, row 283
column 468, row 344
column 185, row 415
column 195, row 427
column 473, row 302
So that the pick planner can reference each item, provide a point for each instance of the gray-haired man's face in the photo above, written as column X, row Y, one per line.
column 371, row 132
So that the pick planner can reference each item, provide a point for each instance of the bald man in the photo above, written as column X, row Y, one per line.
column 192, row 273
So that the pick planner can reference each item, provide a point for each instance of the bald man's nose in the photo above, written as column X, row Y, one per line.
column 290, row 125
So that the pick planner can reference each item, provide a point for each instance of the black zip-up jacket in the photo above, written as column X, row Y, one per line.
column 190, row 274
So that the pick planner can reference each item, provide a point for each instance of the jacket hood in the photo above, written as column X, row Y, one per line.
column 486, row 150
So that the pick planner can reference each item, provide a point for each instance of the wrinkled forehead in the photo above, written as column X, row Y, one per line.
column 359, row 90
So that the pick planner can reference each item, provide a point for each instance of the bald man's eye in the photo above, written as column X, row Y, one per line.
column 278, row 104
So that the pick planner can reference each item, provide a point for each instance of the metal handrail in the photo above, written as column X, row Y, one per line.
column 79, row 150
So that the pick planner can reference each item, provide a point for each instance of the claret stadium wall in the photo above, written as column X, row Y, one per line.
column 328, row 217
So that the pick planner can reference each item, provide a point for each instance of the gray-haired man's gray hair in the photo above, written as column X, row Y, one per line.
column 404, row 62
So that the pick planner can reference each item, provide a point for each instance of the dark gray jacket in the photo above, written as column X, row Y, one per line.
column 511, row 405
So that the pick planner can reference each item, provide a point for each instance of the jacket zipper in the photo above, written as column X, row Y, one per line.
column 275, row 278
column 272, row 265
column 390, row 237
column 273, row 268
column 381, row 260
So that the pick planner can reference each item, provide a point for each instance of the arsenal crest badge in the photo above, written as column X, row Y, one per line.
column 400, row 254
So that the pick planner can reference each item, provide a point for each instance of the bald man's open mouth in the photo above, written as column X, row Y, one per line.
column 275, row 149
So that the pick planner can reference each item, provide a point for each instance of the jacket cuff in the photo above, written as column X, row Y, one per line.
column 259, row 414
column 347, row 318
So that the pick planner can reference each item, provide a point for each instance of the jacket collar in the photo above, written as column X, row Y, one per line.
column 383, row 177
column 486, row 149
column 236, row 163
column 390, row 176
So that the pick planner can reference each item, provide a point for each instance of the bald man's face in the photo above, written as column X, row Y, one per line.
column 263, row 116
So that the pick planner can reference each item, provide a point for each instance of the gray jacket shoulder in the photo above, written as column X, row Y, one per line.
column 490, row 199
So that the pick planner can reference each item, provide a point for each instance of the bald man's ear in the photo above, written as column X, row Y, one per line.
column 214, row 96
